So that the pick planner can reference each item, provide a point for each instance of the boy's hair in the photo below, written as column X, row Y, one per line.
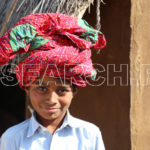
column 74, row 88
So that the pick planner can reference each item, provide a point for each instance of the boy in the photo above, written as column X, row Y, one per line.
column 57, row 49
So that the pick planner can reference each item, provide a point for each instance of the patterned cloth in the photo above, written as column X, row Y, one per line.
column 55, row 45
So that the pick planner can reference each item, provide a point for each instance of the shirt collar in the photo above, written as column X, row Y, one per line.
column 33, row 125
column 69, row 120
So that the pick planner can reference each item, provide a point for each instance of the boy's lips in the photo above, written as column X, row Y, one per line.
column 51, row 109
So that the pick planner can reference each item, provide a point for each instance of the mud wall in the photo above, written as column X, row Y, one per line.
column 108, row 105
column 140, row 65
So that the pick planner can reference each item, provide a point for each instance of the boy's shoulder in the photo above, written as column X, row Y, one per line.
column 84, row 124
column 15, row 130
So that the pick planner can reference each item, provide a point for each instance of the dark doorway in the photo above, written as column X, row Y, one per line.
column 12, row 107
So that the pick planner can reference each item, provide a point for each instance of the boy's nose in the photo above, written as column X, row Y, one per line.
column 52, row 97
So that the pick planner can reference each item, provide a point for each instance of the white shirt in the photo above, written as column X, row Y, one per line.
column 74, row 134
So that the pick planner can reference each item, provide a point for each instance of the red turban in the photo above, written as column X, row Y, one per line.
column 54, row 45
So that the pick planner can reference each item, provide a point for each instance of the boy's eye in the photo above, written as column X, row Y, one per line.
column 61, row 91
column 42, row 89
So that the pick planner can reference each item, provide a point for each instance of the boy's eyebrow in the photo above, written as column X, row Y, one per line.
column 63, row 86
column 40, row 83
column 47, row 84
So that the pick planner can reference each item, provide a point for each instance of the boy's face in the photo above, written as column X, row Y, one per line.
column 50, row 98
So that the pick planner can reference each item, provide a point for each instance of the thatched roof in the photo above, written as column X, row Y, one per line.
column 12, row 10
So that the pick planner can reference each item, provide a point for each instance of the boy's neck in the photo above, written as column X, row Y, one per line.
column 51, row 125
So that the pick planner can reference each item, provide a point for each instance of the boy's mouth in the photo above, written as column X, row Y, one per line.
column 51, row 109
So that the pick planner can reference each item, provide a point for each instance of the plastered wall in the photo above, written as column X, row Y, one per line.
column 140, row 65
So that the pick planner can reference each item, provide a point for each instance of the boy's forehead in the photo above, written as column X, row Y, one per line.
column 49, row 81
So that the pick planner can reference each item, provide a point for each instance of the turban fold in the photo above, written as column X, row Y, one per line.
column 54, row 45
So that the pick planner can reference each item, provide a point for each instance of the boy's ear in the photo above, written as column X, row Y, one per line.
column 75, row 91
column 26, row 89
